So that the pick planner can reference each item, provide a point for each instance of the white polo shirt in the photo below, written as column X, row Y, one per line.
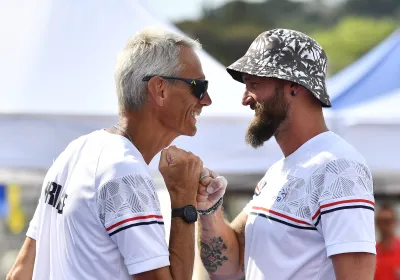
column 315, row 203
column 98, row 215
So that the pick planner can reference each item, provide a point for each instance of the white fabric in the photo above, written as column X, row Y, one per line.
column 57, row 78
column 315, row 203
column 99, row 215
column 57, row 84
column 376, row 124
column 378, row 111
column 66, row 52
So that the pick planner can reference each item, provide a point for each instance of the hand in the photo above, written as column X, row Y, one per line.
column 211, row 188
column 181, row 172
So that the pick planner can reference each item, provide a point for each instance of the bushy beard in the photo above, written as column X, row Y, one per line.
column 268, row 118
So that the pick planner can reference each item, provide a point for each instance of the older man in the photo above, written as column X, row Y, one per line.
column 98, row 215
column 312, row 214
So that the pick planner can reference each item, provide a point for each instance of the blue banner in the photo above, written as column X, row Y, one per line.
column 3, row 201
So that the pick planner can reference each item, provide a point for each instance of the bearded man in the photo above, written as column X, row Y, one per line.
column 312, row 214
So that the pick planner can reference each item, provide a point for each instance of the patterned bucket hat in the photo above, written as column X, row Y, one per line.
column 288, row 55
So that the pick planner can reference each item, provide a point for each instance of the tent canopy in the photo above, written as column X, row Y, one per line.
column 57, row 84
column 365, row 99
column 373, row 127
column 58, row 57
column 374, row 74
column 383, row 110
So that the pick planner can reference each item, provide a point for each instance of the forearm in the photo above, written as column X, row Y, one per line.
column 19, row 273
column 349, row 266
column 23, row 266
column 219, row 247
column 181, row 247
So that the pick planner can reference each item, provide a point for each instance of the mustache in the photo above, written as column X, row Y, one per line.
column 263, row 112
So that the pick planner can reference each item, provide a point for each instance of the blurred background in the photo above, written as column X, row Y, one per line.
column 56, row 84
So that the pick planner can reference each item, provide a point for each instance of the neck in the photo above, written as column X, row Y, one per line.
column 148, row 134
column 295, row 131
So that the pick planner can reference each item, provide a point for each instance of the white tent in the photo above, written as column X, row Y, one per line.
column 57, row 74
column 57, row 61
column 357, row 82
column 373, row 127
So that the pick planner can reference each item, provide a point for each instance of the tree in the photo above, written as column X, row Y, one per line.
column 371, row 8
column 352, row 38
column 227, row 32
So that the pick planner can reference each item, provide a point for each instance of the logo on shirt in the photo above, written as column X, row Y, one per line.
column 53, row 197
column 283, row 193
column 260, row 187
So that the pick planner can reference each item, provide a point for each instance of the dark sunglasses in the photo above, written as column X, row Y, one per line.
column 199, row 87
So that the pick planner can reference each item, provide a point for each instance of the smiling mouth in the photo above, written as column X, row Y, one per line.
column 195, row 114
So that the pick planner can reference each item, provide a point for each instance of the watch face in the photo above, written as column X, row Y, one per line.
column 190, row 214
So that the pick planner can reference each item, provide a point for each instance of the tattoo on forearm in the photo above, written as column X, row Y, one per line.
column 212, row 253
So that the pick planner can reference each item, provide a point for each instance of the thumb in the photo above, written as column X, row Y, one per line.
column 213, row 174
column 163, row 159
column 172, row 155
column 204, row 173
column 216, row 184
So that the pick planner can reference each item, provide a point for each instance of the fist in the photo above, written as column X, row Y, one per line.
column 211, row 188
column 181, row 171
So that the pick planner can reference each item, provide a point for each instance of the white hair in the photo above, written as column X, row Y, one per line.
column 150, row 52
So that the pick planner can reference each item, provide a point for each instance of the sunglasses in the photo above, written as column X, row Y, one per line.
column 199, row 87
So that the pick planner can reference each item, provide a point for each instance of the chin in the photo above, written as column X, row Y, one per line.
column 260, row 132
column 192, row 132
column 189, row 131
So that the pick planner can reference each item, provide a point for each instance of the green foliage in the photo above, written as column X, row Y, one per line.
column 374, row 8
column 351, row 38
column 227, row 32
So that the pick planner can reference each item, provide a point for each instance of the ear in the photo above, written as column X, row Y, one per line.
column 288, row 88
column 295, row 89
column 156, row 90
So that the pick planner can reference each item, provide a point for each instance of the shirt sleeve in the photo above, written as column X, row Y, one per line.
column 257, row 191
column 129, row 209
column 34, row 223
column 344, row 208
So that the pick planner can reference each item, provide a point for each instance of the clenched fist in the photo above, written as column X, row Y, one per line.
column 181, row 171
column 211, row 188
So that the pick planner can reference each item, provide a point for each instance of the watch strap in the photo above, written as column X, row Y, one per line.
column 177, row 212
column 212, row 209
column 188, row 213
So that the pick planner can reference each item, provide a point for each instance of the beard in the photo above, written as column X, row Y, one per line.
column 269, row 116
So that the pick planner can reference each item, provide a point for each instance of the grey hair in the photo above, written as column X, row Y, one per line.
column 150, row 52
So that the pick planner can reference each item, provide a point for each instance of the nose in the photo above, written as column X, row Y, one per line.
column 206, row 100
column 247, row 99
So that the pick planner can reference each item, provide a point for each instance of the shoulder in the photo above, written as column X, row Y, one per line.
column 340, row 148
column 120, row 160
column 339, row 158
column 75, row 146
column 342, row 180
column 340, row 172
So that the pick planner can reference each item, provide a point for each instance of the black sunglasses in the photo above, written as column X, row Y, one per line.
column 199, row 87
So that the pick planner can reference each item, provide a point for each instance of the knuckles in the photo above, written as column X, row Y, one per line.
column 181, row 157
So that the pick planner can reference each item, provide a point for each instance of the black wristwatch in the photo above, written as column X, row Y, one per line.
column 187, row 213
